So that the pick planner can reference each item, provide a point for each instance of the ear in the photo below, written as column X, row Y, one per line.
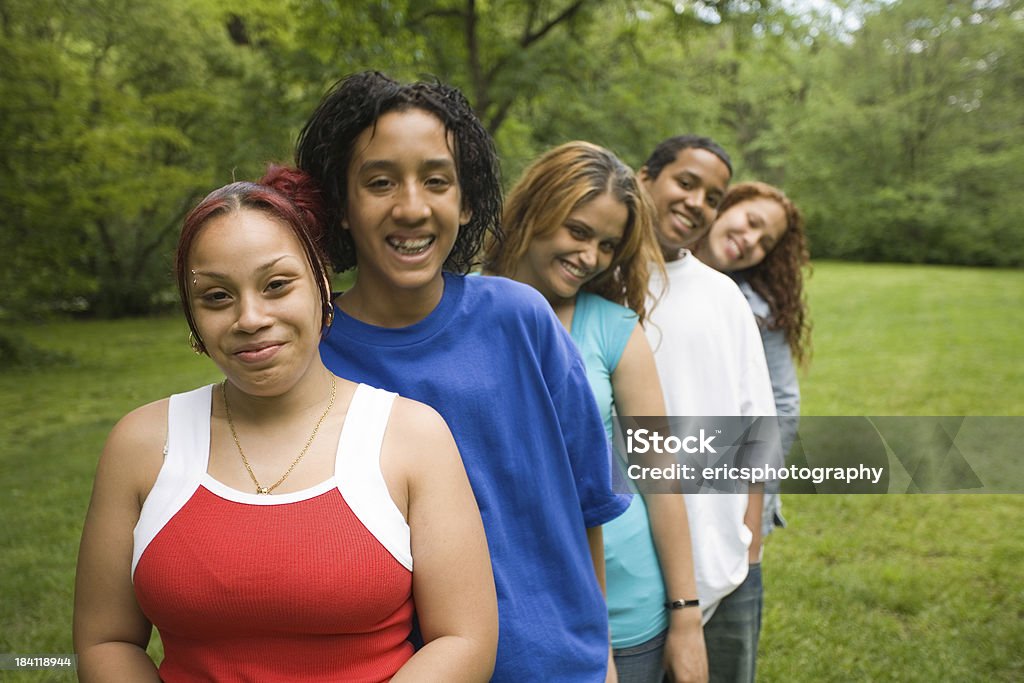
column 642, row 175
column 465, row 215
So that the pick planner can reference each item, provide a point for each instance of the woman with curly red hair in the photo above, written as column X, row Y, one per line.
column 759, row 240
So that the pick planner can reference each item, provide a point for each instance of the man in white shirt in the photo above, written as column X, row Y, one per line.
column 711, row 363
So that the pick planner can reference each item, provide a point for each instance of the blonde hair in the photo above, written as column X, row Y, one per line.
column 555, row 185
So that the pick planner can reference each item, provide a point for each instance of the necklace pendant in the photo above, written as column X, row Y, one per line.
column 262, row 491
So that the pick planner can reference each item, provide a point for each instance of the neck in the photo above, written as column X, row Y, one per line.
column 563, row 308
column 673, row 254
column 310, row 391
column 384, row 309
column 702, row 253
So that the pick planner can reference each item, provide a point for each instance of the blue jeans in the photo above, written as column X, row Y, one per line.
column 732, row 633
column 641, row 663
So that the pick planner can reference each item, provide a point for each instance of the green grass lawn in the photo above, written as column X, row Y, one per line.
column 859, row 588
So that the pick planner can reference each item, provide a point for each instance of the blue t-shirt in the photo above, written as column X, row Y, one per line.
column 494, row 361
column 636, row 590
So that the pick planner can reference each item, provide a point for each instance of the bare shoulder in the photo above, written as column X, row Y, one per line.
column 134, row 449
column 419, row 431
column 145, row 426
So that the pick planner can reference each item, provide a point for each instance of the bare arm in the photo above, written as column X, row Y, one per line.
column 453, row 586
column 595, row 542
column 110, row 631
column 638, row 392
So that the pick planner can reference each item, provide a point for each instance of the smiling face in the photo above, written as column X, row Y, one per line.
column 255, row 302
column 744, row 234
column 558, row 264
column 404, row 207
column 686, row 194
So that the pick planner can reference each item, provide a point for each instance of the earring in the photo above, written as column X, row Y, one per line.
column 196, row 345
column 330, row 315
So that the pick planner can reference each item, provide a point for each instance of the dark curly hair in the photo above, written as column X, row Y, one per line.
column 355, row 103
column 779, row 277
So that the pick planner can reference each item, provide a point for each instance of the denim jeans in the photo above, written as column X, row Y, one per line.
column 732, row 633
column 641, row 663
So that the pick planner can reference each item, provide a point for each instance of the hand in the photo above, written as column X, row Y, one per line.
column 686, row 657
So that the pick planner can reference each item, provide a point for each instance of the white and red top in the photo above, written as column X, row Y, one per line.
column 313, row 585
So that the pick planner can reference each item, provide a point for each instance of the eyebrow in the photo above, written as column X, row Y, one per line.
column 222, row 276
column 387, row 165
column 577, row 223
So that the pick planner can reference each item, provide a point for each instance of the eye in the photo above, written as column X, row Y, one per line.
column 379, row 184
column 608, row 247
column 438, row 183
column 684, row 183
column 713, row 200
column 215, row 298
column 278, row 285
column 577, row 232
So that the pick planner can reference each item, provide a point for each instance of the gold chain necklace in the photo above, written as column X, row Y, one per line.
column 265, row 490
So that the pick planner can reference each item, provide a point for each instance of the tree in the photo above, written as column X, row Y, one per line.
column 911, row 141
column 123, row 113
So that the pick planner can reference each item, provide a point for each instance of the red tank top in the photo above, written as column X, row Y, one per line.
column 293, row 587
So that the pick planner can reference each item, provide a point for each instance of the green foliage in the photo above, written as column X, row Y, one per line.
column 119, row 116
column 17, row 353
column 912, row 155
column 896, row 126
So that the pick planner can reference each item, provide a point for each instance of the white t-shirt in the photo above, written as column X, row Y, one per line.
column 711, row 363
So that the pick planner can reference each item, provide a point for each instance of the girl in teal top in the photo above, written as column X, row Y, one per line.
column 578, row 229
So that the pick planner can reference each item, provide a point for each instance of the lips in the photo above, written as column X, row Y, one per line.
column 258, row 352
column 733, row 249
column 684, row 223
column 574, row 270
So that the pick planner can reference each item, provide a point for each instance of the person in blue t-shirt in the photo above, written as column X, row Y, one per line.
column 410, row 179
column 579, row 230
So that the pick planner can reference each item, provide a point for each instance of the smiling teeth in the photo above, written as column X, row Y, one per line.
column 578, row 272
column 684, row 219
column 410, row 247
column 736, row 246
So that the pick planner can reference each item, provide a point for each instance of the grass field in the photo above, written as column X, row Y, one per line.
column 858, row 588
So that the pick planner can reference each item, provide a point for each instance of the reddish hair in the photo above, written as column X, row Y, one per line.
column 286, row 195
column 779, row 278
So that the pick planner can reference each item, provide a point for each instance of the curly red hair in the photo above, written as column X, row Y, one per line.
column 779, row 278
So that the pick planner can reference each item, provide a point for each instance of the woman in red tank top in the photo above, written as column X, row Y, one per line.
column 268, row 525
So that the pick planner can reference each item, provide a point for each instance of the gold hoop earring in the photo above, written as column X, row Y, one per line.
column 197, row 347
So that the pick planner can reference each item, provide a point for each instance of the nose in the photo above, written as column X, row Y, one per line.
column 695, row 197
column 410, row 205
column 252, row 314
column 696, row 201
column 588, row 255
